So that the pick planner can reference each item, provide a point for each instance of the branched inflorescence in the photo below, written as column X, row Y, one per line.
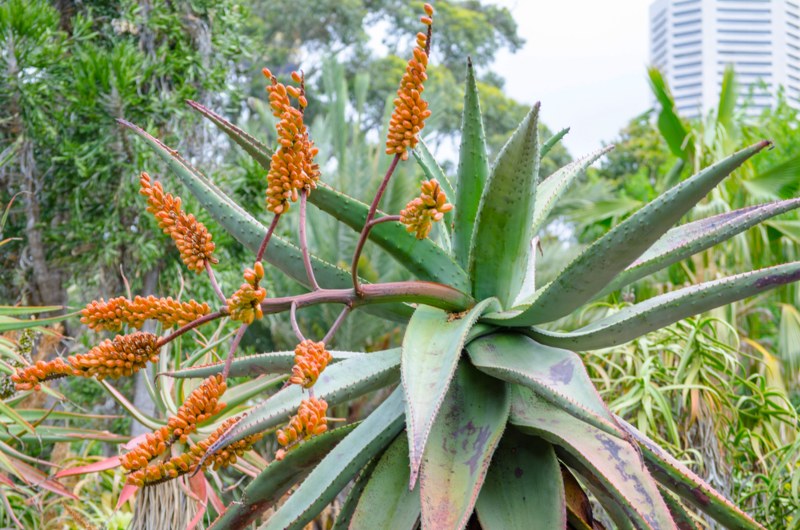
column 154, row 444
column 202, row 404
column 410, row 110
column 309, row 421
column 122, row 356
column 190, row 235
column 245, row 304
column 310, row 359
column 113, row 314
column 420, row 214
column 292, row 167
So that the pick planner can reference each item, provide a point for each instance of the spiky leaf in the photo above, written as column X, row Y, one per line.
column 655, row 313
column 614, row 461
column 340, row 465
column 253, row 365
column 462, row 442
column 596, row 266
column 431, row 348
column 473, row 170
column 523, row 488
column 551, row 142
column 501, row 242
column 557, row 375
column 386, row 501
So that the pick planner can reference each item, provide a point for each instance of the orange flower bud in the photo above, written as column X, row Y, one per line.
column 31, row 377
column 245, row 304
column 309, row 421
column 123, row 356
column 202, row 404
column 310, row 359
column 190, row 236
column 420, row 214
column 113, row 314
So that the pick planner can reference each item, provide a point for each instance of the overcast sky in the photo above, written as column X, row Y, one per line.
column 585, row 60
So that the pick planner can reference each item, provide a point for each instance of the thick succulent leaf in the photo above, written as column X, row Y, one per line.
column 345, row 515
column 431, row 348
column 551, row 142
column 278, row 362
column 553, row 187
column 679, row 479
column 615, row 462
column 423, row 258
column 340, row 382
column 523, row 488
column 473, row 170
column 501, row 241
column 613, row 505
column 655, row 313
column 340, row 465
column 433, row 170
column 596, row 266
column 250, row 232
column 682, row 517
column 557, row 375
column 8, row 323
column 691, row 238
column 264, row 491
column 462, row 442
column 387, row 502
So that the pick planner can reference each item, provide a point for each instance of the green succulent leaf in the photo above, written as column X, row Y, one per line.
column 278, row 478
column 655, row 313
column 8, row 323
column 614, row 461
column 340, row 465
column 691, row 238
column 462, row 441
column 679, row 479
column 596, row 266
column 473, row 170
column 432, row 346
column 345, row 515
column 279, row 362
column 523, row 488
column 553, row 187
column 500, row 246
column 250, row 233
column 579, row 508
column 557, row 375
column 681, row 515
column 423, row 258
column 432, row 170
column 612, row 504
column 340, row 382
column 551, row 142
column 386, row 501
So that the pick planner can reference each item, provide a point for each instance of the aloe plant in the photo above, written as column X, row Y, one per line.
column 491, row 416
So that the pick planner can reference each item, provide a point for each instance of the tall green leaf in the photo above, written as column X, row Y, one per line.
column 669, row 123
column 473, row 169
column 431, row 349
column 596, row 266
column 642, row 318
column 500, row 246
column 523, row 488
column 551, row 142
column 279, row 362
column 462, row 442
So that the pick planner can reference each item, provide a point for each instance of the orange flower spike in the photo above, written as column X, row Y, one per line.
column 420, row 213
column 292, row 166
column 113, row 314
column 153, row 445
column 310, row 359
column 31, row 377
column 309, row 421
column 123, row 356
column 202, row 404
column 190, row 236
column 410, row 110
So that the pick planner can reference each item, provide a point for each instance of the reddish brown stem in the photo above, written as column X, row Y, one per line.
column 267, row 237
column 190, row 326
column 235, row 344
column 367, row 223
column 384, row 219
column 295, row 325
column 214, row 283
column 336, row 324
column 304, row 242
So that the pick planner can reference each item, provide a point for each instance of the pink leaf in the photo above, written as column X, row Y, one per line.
column 216, row 502
column 102, row 465
column 198, row 486
column 128, row 490
column 33, row 476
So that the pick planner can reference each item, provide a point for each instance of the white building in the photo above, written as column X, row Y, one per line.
column 692, row 41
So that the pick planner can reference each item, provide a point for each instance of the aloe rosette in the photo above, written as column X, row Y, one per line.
column 491, row 416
